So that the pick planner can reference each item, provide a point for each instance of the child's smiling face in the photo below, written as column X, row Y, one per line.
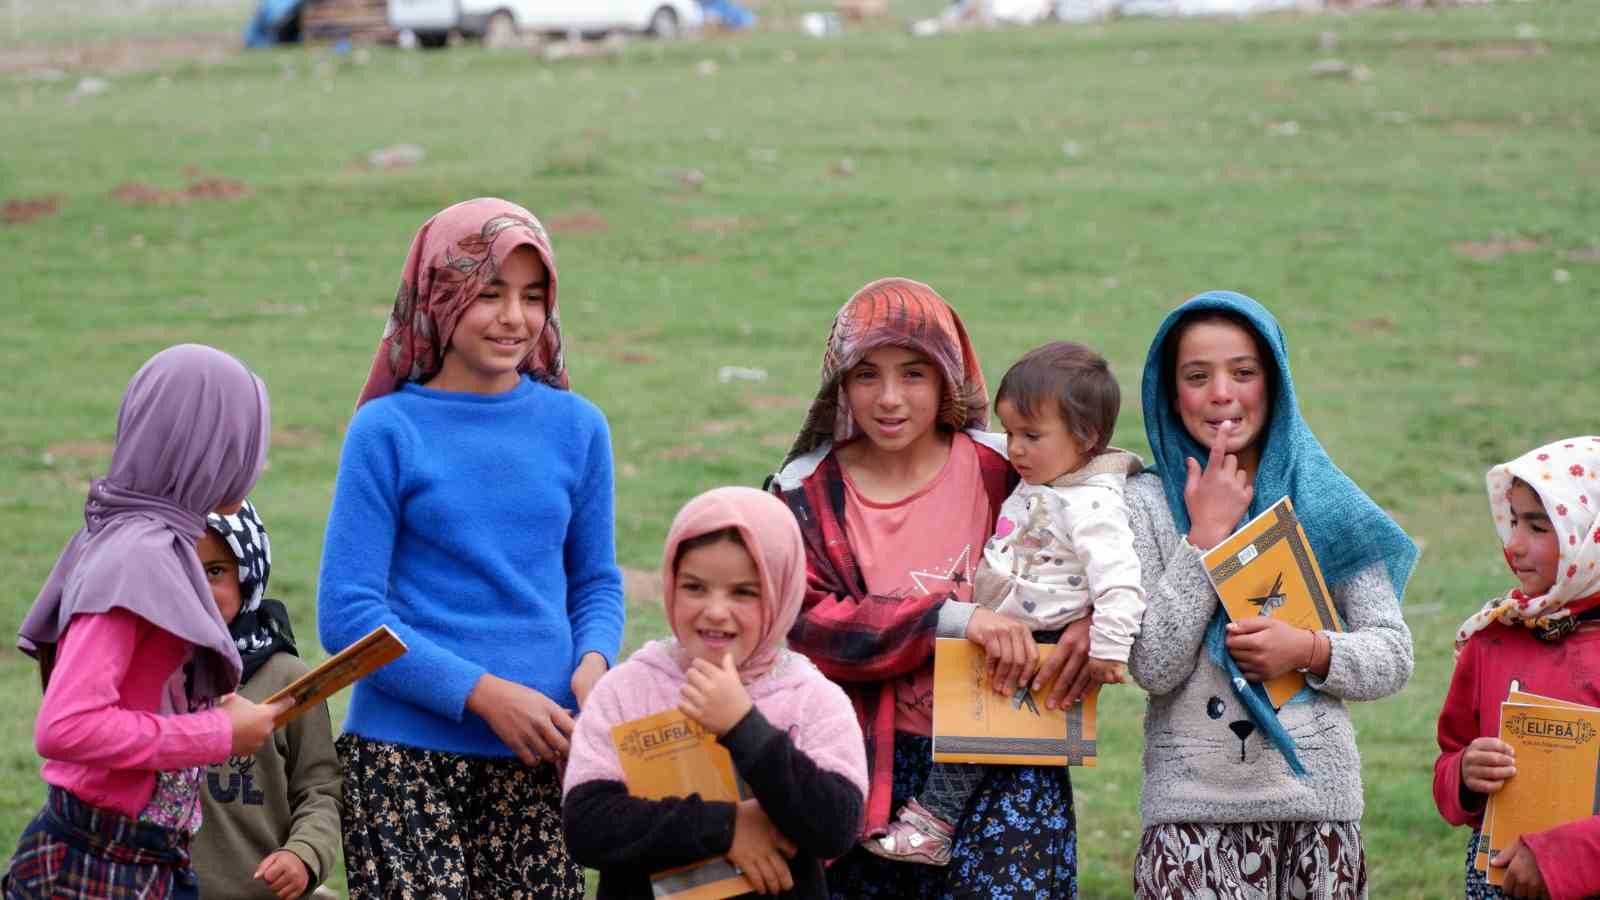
column 717, row 605
column 894, row 396
column 222, row 573
column 1533, row 550
column 498, row 328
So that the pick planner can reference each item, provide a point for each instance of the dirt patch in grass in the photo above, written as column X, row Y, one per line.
column 22, row 210
column 1495, row 249
column 775, row 401
column 141, row 193
column 1461, row 56
column 585, row 222
column 721, row 426
column 84, row 449
column 1371, row 324
column 642, row 586
column 295, row 438
column 718, row 225
column 1589, row 254
column 130, row 55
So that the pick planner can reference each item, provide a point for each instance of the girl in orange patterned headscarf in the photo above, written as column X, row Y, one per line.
column 896, row 487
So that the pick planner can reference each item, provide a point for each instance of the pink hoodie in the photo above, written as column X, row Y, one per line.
column 785, row 686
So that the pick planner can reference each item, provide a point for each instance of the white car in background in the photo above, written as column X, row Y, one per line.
column 500, row 20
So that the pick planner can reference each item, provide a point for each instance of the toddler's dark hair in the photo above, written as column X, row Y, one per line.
column 1077, row 380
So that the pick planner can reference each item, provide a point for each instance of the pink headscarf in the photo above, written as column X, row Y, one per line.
column 453, row 255
column 1566, row 476
column 771, row 536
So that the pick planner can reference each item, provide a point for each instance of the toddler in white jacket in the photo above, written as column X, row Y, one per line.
column 1062, row 549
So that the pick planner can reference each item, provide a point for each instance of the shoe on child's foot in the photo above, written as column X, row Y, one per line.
column 915, row 836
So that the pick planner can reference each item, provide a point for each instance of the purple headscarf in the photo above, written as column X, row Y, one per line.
column 192, row 435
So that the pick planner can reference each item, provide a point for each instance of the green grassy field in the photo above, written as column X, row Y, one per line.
column 1428, row 233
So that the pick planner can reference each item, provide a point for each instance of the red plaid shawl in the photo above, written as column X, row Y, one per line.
column 861, row 640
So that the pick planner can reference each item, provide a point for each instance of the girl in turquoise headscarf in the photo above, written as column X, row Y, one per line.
column 1238, row 798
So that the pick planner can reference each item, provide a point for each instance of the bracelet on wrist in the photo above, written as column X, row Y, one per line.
column 1311, row 655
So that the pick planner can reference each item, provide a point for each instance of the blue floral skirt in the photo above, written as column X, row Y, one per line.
column 1017, row 841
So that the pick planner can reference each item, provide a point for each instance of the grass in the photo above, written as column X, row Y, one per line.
column 1427, row 236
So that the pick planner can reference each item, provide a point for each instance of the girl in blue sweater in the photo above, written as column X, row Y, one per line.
column 472, row 514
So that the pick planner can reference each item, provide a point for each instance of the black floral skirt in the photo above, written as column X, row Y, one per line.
column 426, row 824
column 1017, row 840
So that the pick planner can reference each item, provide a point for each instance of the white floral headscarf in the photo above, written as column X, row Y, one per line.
column 1566, row 476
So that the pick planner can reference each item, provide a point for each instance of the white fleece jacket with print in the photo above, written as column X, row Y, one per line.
column 1063, row 550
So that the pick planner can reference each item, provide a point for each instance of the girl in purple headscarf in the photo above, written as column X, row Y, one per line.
column 137, row 665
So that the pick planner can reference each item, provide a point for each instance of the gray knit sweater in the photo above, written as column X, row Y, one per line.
column 1203, row 761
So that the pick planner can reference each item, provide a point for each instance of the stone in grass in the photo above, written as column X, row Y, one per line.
column 398, row 156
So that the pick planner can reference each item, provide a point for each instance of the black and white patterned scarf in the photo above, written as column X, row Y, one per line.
column 262, row 626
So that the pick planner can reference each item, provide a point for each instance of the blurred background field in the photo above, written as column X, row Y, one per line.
column 1413, row 192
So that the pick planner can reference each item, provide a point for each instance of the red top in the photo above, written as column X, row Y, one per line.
column 1568, row 855
column 100, row 729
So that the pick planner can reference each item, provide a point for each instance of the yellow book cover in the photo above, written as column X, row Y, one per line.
column 1267, row 568
column 376, row 649
column 670, row 755
column 1557, row 749
column 1481, row 859
column 973, row 724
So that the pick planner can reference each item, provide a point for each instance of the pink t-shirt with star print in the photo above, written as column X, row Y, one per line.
column 928, row 542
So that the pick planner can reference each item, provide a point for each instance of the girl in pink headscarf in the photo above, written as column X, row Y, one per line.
column 734, row 578
column 1543, row 636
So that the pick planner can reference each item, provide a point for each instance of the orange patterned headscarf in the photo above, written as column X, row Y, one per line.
column 453, row 255
column 895, row 312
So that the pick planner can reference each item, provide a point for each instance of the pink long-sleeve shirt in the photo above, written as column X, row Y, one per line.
column 100, row 729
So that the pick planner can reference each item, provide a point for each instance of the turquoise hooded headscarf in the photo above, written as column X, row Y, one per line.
column 1348, row 531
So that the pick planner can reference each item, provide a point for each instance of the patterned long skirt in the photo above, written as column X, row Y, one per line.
column 1017, row 841
column 425, row 824
column 1252, row 861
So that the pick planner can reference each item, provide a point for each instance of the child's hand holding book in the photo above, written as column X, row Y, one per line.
column 1486, row 765
column 759, row 850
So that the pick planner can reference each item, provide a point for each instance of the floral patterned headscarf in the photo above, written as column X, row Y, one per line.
column 1566, row 476
column 453, row 255
column 895, row 312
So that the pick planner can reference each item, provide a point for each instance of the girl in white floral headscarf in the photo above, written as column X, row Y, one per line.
column 1565, row 477
column 1543, row 637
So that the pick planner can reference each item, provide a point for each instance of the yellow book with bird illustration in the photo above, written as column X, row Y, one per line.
column 1267, row 568
column 973, row 724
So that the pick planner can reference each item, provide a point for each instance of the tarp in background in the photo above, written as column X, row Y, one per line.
column 275, row 22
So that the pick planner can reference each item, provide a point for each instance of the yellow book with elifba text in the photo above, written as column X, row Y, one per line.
column 1557, row 752
column 973, row 724
column 1267, row 568
column 671, row 755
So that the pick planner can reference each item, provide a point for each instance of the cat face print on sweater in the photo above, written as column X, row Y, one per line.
column 1211, row 738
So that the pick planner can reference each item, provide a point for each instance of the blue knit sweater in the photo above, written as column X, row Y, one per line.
column 480, row 528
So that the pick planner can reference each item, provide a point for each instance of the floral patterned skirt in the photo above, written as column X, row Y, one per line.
column 426, row 824
column 1252, row 861
column 1017, row 840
